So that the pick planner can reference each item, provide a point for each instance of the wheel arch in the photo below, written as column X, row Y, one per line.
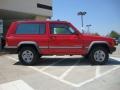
column 98, row 44
column 28, row 44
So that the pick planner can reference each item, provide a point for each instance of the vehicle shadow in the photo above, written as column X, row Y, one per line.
column 69, row 62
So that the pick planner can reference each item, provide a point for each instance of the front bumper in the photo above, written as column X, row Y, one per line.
column 113, row 49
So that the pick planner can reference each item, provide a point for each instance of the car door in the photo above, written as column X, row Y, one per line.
column 64, row 40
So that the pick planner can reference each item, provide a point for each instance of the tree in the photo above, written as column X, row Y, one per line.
column 114, row 34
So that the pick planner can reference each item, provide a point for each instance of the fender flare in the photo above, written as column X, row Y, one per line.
column 96, row 42
column 28, row 43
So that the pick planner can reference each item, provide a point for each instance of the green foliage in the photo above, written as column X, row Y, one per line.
column 114, row 34
column 59, row 30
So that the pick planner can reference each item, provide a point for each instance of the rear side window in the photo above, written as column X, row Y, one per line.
column 30, row 29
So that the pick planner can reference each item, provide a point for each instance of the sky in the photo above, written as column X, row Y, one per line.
column 103, row 15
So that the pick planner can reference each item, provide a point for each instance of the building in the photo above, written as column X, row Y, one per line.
column 12, row 10
column 1, row 26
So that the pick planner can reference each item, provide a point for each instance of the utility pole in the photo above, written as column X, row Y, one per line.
column 88, row 26
column 82, row 14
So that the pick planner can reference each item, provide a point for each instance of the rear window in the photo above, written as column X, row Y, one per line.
column 30, row 29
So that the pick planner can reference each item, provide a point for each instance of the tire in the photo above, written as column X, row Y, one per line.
column 28, row 56
column 99, row 56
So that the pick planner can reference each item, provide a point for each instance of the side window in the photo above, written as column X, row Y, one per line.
column 61, row 29
column 42, row 28
column 30, row 28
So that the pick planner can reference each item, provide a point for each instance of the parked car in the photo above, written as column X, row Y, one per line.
column 118, row 40
column 33, row 39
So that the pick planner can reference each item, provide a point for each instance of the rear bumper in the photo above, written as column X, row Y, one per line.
column 112, row 50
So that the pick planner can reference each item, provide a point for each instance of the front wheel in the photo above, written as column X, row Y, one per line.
column 28, row 56
column 99, row 56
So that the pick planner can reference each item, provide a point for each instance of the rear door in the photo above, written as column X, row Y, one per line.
column 63, row 39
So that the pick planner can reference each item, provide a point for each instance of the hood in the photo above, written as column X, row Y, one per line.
column 96, row 38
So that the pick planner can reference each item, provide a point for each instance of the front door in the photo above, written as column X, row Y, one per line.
column 63, row 39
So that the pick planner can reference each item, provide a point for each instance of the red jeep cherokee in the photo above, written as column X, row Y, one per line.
column 33, row 39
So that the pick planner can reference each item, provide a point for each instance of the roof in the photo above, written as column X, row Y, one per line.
column 30, row 21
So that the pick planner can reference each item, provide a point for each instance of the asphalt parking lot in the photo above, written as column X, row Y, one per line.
column 59, row 73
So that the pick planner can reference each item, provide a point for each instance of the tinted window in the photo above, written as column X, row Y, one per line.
column 60, row 29
column 31, row 29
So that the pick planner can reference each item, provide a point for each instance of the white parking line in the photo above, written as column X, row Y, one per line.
column 118, row 59
column 42, row 68
column 97, row 71
column 67, row 71
column 54, row 77
column 12, row 58
column 92, row 79
column 70, row 83
column 15, row 85
column 47, row 74
column 51, row 64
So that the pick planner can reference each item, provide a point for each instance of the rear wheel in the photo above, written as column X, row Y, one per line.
column 99, row 55
column 28, row 56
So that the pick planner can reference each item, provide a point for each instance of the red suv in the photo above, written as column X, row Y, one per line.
column 33, row 39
